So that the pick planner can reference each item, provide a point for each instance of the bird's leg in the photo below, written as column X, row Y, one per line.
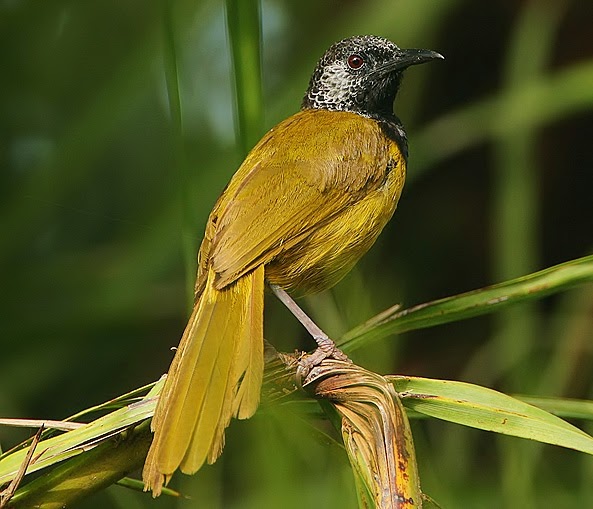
column 326, row 347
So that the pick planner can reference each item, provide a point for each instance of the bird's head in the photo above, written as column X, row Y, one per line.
column 362, row 74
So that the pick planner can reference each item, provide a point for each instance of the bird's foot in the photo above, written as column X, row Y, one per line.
column 326, row 349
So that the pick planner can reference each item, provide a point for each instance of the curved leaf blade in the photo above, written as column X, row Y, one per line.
column 474, row 303
column 487, row 409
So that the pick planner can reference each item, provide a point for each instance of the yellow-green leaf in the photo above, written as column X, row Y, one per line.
column 482, row 408
column 66, row 445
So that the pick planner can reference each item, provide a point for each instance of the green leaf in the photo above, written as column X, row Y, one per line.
column 482, row 408
column 87, row 437
column 466, row 305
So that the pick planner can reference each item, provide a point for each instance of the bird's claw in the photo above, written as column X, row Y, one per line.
column 327, row 349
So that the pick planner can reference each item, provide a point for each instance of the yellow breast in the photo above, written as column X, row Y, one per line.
column 327, row 252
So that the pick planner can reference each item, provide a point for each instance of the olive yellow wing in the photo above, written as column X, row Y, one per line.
column 303, row 174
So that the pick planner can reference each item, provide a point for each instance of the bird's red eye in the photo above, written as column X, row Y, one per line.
column 355, row 62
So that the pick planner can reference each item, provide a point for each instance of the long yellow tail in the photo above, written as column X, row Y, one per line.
column 216, row 374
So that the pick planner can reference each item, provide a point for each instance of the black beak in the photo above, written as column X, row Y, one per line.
column 407, row 57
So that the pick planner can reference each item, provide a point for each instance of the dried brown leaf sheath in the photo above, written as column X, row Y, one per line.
column 375, row 431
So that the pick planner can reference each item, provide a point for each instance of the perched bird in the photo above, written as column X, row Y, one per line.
column 308, row 201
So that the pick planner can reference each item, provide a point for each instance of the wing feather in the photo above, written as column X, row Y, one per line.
column 284, row 189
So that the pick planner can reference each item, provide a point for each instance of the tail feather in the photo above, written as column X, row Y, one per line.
column 216, row 375
column 244, row 383
column 206, row 399
column 247, row 396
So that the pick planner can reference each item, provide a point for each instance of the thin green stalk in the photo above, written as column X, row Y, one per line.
column 244, row 27
column 515, row 228
column 188, row 234
column 515, row 214
column 570, row 333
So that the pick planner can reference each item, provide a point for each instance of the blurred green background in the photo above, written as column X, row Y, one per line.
column 102, row 193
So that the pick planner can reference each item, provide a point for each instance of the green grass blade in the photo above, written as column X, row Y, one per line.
column 482, row 408
column 562, row 407
column 138, row 485
column 466, row 305
column 76, row 479
column 74, row 442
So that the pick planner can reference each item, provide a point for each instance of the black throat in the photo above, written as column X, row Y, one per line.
column 394, row 130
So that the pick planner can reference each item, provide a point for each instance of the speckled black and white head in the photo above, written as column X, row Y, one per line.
column 362, row 74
